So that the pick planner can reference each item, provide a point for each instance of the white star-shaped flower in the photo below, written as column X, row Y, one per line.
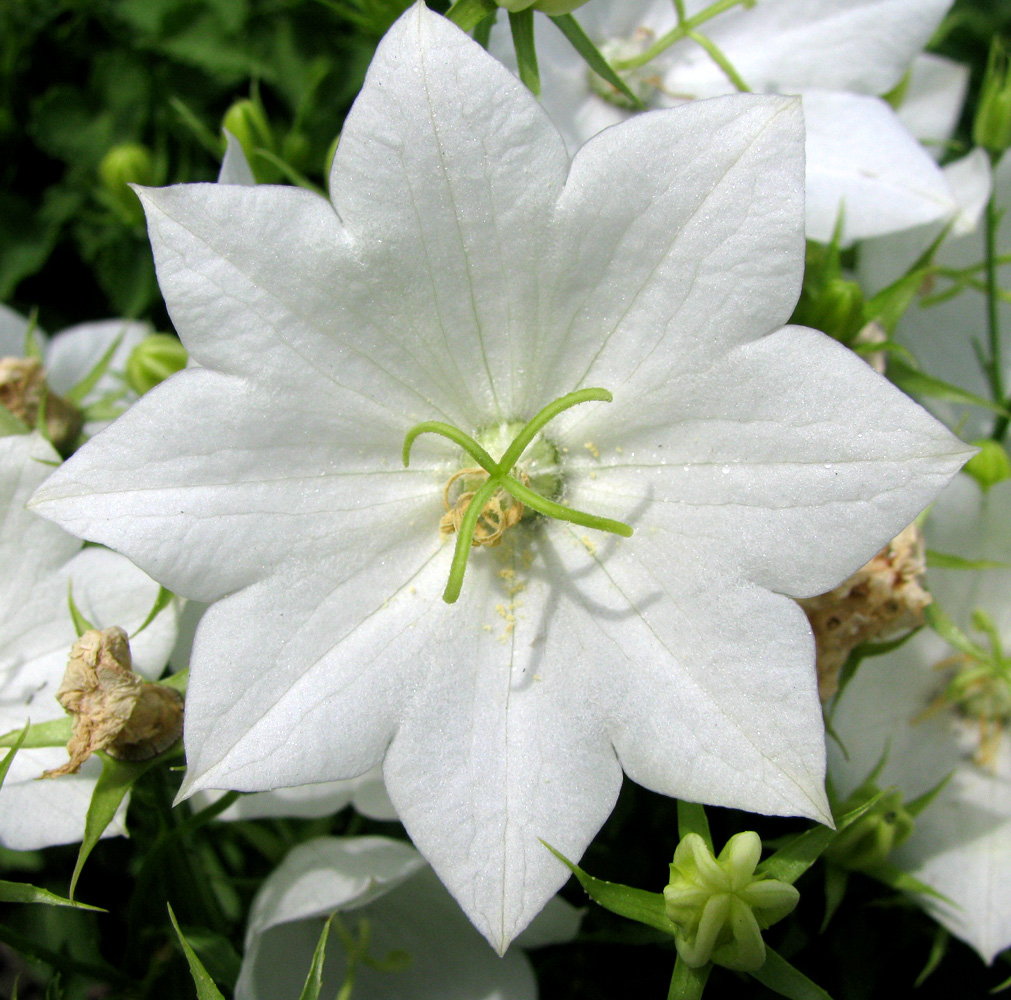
column 466, row 271
column 39, row 562
column 839, row 54
column 961, row 844
column 419, row 945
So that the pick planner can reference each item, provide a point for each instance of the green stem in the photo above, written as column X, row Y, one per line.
column 682, row 30
column 995, row 372
column 468, row 14
column 717, row 56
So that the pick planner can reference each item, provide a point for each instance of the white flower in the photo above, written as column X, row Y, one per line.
column 839, row 54
column 39, row 561
column 467, row 271
column 413, row 927
column 961, row 844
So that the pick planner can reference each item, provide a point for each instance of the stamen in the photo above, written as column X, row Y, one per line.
column 479, row 517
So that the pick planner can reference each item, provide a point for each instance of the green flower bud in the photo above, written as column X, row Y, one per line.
column 296, row 150
column 990, row 465
column 834, row 305
column 991, row 128
column 153, row 360
column 248, row 122
column 720, row 906
column 867, row 843
column 122, row 166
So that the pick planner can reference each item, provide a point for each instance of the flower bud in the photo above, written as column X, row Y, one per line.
column 113, row 708
column 720, row 906
column 835, row 305
column 296, row 150
column 23, row 391
column 867, row 843
column 991, row 128
column 248, row 122
column 990, row 465
column 152, row 361
column 122, row 166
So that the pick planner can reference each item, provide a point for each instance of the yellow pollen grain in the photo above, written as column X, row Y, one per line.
column 588, row 545
column 592, row 449
column 620, row 450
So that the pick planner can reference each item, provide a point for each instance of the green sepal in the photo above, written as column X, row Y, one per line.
column 915, row 382
column 889, row 305
column 999, row 988
column 867, row 651
column 939, row 621
column 581, row 42
column 836, row 880
column 468, row 14
column 482, row 33
column 79, row 391
column 692, row 819
column 287, row 171
column 687, row 983
column 206, row 989
column 10, row 425
column 54, row 733
column 634, row 904
column 778, row 975
column 220, row 959
column 81, row 624
column 116, row 779
column 5, row 764
column 161, row 602
column 895, row 878
column 521, row 23
column 916, row 806
column 177, row 681
column 798, row 854
column 945, row 560
column 21, row 892
column 314, row 981
column 938, row 949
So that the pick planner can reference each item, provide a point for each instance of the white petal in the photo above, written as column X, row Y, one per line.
column 13, row 327
column 933, row 99
column 861, row 159
column 74, row 352
column 702, row 250
column 235, row 167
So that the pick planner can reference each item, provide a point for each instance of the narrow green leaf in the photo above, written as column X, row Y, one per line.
column 945, row 560
column 287, row 170
column 895, row 878
column 79, row 391
column 800, row 852
column 939, row 621
column 9, row 424
column 916, row 806
column 161, row 602
column 215, row 951
column 915, row 382
column 54, row 733
column 781, row 977
column 938, row 949
column 687, row 983
column 5, row 764
column 314, row 981
column 21, row 892
column 635, row 904
column 692, row 819
column 468, row 14
column 888, row 306
column 81, row 624
column 116, row 779
column 836, row 880
column 521, row 23
column 206, row 990
column 581, row 42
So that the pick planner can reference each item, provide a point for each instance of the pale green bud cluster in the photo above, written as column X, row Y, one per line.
column 720, row 906
column 991, row 128
column 153, row 360
column 990, row 465
column 248, row 122
column 867, row 843
column 122, row 166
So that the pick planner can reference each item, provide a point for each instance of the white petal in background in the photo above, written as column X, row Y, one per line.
column 933, row 99
column 36, row 633
column 962, row 843
column 387, row 884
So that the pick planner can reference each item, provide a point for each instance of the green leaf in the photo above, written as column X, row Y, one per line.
column 635, row 904
column 778, row 975
column 161, row 602
column 468, row 14
column 692, row 819
column 945, row 560
column 79, row 391
column 915, row 382
column 687, row 983
column 21, row 892
column 521, row 23
column 800, row 852
column 5, row 764
column 580, row 41
column 206, row 990
column 54, row 733
column 314, row 981
column 219, row 958
column 116, row 779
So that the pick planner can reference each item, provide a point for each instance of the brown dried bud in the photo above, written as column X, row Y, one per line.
column 884, row 597
column 114, row 709
column 22, row 390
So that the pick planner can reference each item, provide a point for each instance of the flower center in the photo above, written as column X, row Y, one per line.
column 644, row 81
column 479, row 516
